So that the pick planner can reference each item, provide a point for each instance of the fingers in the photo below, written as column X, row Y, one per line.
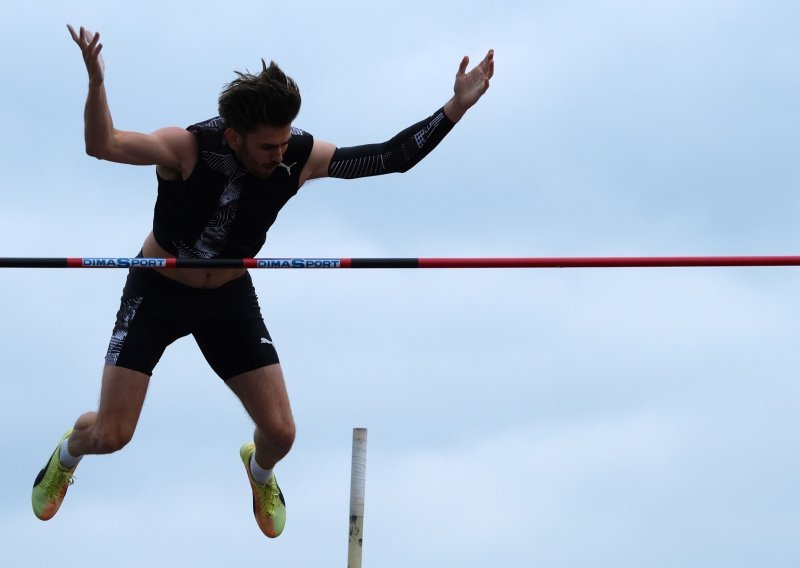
column 462, row 69
column 73, row 34
column 94, row 45
column 488, row 64
column 78, row 37
column 86, row 39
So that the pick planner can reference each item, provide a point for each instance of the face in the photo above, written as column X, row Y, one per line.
column 262, row 150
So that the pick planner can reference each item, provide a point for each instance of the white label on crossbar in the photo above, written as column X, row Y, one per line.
column 123, row 262
column 299, row 263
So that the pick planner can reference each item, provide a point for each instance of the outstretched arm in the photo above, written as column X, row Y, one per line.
column 411, row 145
column 172, row 149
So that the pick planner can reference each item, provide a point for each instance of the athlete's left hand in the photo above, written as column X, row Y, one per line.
column 470, row 86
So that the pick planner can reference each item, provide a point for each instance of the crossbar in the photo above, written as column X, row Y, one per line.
column 329, row 263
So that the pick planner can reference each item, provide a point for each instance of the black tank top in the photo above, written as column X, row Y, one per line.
column 221, row 210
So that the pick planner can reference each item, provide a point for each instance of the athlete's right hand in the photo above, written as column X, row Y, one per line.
column 90, row 45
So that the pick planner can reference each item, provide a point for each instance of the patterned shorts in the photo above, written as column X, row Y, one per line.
column 226, row 322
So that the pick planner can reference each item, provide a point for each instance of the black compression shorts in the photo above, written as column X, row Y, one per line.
column 226, row 322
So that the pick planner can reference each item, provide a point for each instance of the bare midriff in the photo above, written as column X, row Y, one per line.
column 193, row 277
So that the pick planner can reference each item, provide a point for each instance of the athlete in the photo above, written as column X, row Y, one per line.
column 221, row 183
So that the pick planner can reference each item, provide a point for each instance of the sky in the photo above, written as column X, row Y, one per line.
column 516, row 417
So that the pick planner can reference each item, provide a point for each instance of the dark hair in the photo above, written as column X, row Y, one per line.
column 267, row 99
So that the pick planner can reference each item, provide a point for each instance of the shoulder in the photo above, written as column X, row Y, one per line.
column 216, row 124
column 319, row 160
column 180, row 148
column 174, row 135
column 208, row 131
column 300, row 145
column 301, row 139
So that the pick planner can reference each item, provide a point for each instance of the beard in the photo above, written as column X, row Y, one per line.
column 261, row 170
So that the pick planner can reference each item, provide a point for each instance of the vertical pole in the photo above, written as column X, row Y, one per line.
column 358, row 476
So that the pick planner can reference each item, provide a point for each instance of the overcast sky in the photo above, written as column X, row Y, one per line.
column 559, row 418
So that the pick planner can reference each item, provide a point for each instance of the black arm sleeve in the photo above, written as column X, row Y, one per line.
column 399, row 154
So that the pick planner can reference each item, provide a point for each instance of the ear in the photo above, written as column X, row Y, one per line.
column 233, row 139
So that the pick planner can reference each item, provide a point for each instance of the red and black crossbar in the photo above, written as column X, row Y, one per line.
column 328, row 263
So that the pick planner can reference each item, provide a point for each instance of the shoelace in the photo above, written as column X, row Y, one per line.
column 269, row 497
column 55, row 483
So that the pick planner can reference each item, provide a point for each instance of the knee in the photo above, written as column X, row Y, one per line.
column 280, row 436
column 284, row 437
column 111, row 439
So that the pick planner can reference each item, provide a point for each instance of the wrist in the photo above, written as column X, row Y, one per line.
column 454, row 110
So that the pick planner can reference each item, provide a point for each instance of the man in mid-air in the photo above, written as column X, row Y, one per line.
column 221, row 184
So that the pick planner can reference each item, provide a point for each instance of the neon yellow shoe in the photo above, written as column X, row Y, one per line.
column 269, row 506
column 51, row 485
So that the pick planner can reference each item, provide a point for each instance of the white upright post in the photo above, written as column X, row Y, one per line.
column 358, row 476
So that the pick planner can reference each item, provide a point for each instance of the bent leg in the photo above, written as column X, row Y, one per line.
column 263, row 394
column 112, row 426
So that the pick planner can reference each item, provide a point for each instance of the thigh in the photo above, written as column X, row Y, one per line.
column 232, row 334
column 264, row 396
column 112, row 426
column 122, row 396
column 150, row 317
column 236, row 346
